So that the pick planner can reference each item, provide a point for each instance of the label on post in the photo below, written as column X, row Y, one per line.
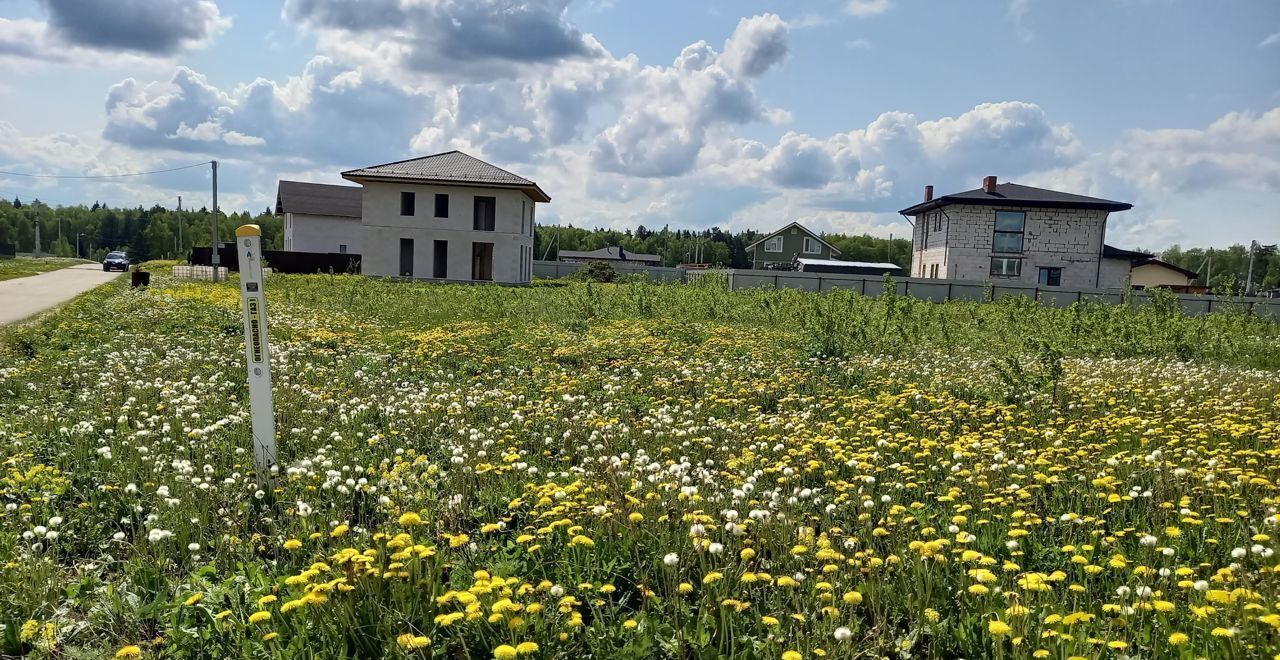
column 256, row 347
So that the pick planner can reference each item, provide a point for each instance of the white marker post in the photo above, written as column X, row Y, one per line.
column 256, row 350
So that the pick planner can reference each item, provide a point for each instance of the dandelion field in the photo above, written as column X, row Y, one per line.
column 634, row 471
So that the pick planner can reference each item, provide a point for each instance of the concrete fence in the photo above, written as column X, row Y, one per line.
column 934, row 290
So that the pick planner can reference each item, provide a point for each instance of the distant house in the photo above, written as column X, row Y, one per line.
column 448, row 216
column 612, row 255
column 847, row 267
column 319, row 217
column 781, row 248
column 1142, row 270
column 1010, row 232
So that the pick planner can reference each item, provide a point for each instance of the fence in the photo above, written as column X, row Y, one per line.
column 8, row 250
column 558, row 269
column 928, row 289
column 282, row 261
column 204, row 273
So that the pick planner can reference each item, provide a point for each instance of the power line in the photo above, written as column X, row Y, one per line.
column 103, row 176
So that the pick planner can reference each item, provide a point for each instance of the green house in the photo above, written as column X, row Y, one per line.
column 781, row 248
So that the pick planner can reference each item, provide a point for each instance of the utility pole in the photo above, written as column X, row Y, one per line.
column 177, row 246
column 1248, row 279
column 214, row 235
column 1208, row 278
column 888, row 250
column 78, row 244
column 37, row 223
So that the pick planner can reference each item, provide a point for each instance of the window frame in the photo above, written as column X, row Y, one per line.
column 1005, row 261
column 490, row 221
column 1020, row 233
column 408, row 200
column 770, row 241
column 1046, row 273
column 805, row 246
column 442, row 197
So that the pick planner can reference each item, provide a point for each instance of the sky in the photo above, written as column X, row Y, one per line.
column 739, row 114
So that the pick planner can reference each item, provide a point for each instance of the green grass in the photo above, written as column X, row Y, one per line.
column 637, row 471
column 28, row 266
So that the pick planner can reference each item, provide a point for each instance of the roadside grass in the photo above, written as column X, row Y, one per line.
column 27, row 266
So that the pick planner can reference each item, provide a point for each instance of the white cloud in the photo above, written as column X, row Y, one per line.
column 1239, row 150
column 1270, row 40
column 757, row 45
column 862, row 8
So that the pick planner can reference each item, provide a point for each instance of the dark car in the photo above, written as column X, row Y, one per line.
column 115, row 261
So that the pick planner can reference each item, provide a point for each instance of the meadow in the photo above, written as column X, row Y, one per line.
column 635, row 471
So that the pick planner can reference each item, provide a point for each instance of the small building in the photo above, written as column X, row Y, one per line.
column 1011, row 232
column 447, row 216
column 1142, row 270
column 847, row 267
column 780, row 249
column 614, row 254
column 319, row 217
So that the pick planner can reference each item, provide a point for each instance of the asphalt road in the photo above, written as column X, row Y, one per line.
column 27, row 296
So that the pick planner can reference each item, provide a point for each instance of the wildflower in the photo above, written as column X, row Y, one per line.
column 259, row 617
column 411, row 641
column 671, row 559
column 843, row 634
column 292, row 544
column 630, row 624
column 193, row 599
column 1178, row 639
column 792, row 655
column 130, row 652
column 270, row 636
column 526, row 648
column 505, row 652
column 998, row 628
column 769, row 621
column 409, row 519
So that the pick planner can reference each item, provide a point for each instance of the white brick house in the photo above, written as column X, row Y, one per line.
column 1008, row 232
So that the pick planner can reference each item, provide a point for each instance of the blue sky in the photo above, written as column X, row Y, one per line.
column 737, row 113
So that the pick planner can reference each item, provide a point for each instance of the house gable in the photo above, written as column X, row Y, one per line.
column 792, row 243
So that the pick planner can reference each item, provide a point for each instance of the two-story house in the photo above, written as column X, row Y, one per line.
column 447, row 217
column 1009, row 232
column 781, row 248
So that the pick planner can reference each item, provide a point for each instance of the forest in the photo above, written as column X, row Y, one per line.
column 161, row 233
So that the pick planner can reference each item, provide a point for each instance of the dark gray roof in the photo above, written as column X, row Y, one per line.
column 450, row 167
column 609, row 254
column 1012, row 194
column 318, row 199
column 1111, row 252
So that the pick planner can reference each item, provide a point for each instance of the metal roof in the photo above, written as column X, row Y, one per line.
column 450, row 168
column 847, row 264
column 802, row 228
column 1012, row 194
column 608, row 254
column 318, row 199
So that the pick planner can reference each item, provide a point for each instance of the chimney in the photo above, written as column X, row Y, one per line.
column 989, row 184
column 621, row 254
column 928, row 193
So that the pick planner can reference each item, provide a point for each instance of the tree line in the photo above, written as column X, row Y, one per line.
column 92, row 231
column 714, row 246
column 1224, row 270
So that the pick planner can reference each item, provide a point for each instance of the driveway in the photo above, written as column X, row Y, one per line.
column 27, row 296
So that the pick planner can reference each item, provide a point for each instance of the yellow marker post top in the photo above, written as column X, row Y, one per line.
column 248, row 230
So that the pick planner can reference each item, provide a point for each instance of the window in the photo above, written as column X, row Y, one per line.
column 1051, row 276
column 933, row 271
column 482, row 261
column 483, row 217
column 773, row 245
column 937, row 221
column 342, row 248
column 406, row 203
column 442, row 205
column 1006, row 267
column 440, row 260
column 1009, row 227
column 812, row 246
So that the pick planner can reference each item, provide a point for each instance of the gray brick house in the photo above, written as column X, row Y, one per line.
column 1009, row 232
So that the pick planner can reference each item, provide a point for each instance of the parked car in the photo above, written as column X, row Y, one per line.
column 115, row 261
